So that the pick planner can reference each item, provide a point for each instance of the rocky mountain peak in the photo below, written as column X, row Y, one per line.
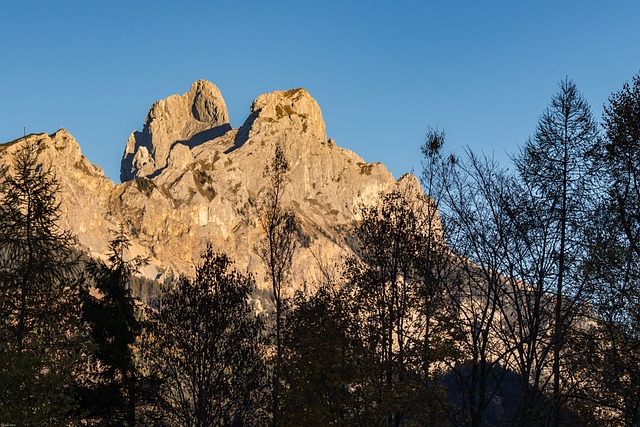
column 189, row 178
column 294, row 109
column 192, row 118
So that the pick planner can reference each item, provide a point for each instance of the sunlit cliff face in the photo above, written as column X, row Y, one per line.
column 189, row 178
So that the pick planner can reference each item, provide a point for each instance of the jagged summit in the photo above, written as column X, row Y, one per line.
column 293, row 108
column 191, row 118
column 200, row 115
column 189, row 178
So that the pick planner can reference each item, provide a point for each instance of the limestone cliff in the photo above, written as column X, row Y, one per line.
column 197, row 115
column 189, row 178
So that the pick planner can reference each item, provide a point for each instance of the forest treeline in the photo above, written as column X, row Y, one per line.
column 509, row 296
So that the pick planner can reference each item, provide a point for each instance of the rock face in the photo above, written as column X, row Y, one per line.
column 196, row 116
column 189, row 179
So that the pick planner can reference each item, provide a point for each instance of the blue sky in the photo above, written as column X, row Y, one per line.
column 382, row 71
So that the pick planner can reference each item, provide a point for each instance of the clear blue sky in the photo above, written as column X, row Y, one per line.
column 382, row 71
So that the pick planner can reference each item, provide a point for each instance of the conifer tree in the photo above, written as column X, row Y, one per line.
column 114, row 328
column 40, row 337
column 556, row 170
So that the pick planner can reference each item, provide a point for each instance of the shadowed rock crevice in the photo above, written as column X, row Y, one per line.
column 243, row 133
column 197, row 139
column 143, row 148
column 205, row 135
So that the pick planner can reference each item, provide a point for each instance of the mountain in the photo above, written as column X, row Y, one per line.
column 190, row 178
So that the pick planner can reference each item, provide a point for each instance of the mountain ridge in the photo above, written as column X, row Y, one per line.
column 190, row 178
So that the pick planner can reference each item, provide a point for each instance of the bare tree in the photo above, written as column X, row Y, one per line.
column 475, row 228
column 276, row 250
column 438, row 268
column 527, row 309
column 555, row 168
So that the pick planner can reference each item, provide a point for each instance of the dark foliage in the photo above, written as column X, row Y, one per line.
column 325, row 362
column 110, row 312
column 276, row 250
column 205, row 344
column 41, row 341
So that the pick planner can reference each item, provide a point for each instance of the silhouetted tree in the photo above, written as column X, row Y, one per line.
column 621, row 159
column 608, row 347
column 527, row 304
column 474, row 224
column 325, row 362
column 612, row 358
column 111, row 316
column 206, row 346
column 40, row 335
column 276, row 250
column 622, row 168
column 556, row 168
column 388, row 281
column 439, row 270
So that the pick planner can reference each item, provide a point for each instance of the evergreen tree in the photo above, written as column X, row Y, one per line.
column 40, row 335
column 114, row 328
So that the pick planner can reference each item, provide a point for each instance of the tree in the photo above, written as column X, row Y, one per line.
column 439, row 269
column 527, row 315
column 276, row 250
column 475, row 226
column 621, row 159
column 609, row 348
column 612, row 360
column 114, row 328
column 205, row 344
column 388, row 282
column 40, row 334
column 497, row 290
column 382, row 281
column 325, row 362
column 556, row 168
